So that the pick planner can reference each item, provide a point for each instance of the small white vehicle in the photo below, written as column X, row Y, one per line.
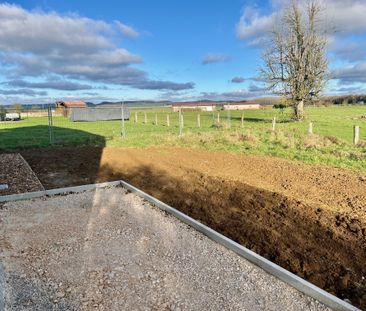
column 12, row 116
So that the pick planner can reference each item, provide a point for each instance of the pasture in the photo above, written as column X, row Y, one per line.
column 331, row 143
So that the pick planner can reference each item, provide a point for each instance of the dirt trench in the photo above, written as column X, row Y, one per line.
column 322, row 242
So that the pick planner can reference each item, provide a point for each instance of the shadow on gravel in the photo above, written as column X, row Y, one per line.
column 327, row 249
column 24, row 294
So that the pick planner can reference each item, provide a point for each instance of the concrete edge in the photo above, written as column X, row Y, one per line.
column 58, row 191
column 291, row 279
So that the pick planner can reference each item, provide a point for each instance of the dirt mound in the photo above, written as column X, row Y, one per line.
column 16, row 174
column 310, row 220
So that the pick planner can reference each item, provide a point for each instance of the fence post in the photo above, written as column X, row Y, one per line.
column 242, row 120
column 136, row 117
column 156, row 119
column 310, row 131
column 218, row 117
column 180, row 122
column 229, row 117
column 167, row 120
column 198, row 120
column 356, row 134
column 274, row 124
column 145, row 118
column 50, row 125
column 123, row 133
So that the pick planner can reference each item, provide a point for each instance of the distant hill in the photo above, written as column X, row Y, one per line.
column 143, row 103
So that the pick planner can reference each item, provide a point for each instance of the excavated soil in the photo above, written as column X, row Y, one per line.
column 17, row 175
column 310, row 220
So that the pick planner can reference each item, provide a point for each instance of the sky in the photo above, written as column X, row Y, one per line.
column 159, row 50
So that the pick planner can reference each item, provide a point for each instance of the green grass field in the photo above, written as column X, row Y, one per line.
column 331, row 143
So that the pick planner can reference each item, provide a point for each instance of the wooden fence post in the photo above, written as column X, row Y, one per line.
column 310, row 131
column 156, row 119
column 167, row 120
column 135, row 117
column 242, row 120
column 356, row 134
column 218, row 117
column 274, row 124
column 198, row 120
column 145, row 118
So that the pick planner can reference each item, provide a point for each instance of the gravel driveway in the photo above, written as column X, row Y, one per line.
column 108, row 249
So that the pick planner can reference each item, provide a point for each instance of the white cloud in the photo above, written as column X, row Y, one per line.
column 345, row 24
column 350, row 74
column 238, row 80
column 43, row 44
column 344, row 17
column 254, row 27
column 127, row 30
column 212, row 58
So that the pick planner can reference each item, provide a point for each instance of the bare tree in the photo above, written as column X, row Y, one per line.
column 17, row 107
column 295, row 64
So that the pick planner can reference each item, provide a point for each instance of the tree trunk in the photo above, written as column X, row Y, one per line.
column 299, row 110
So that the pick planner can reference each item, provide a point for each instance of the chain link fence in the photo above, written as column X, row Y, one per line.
column 53, row 126
column 130, row 126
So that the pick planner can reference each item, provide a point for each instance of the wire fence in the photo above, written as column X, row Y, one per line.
column 99, row 126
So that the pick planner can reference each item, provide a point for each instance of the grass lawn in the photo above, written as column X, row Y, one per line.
column 331, row 143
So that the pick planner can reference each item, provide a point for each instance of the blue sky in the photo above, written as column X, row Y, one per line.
column 174, row 50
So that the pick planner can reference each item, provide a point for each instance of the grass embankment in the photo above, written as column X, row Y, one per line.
column 330, row 144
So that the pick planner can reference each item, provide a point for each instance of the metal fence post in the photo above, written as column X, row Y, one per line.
column 123, row 133
column 180, row 122
column 229, row 117
column 50, row 125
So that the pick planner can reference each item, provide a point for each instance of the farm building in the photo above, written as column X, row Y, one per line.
column 63, row 108
column 241, row 106
column 99, row 114
column 195, row 106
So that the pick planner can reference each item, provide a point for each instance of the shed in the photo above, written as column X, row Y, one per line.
column 241, row 105
column 99, row 114
column 194, row 106
column 64, row 107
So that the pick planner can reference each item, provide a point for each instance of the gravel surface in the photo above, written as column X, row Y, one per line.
column 110, row 250
column 17, row 174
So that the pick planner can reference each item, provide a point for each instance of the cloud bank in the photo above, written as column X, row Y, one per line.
column 37, row 44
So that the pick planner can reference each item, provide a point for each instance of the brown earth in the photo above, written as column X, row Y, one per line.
column 17, row 175
column 310, row 220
